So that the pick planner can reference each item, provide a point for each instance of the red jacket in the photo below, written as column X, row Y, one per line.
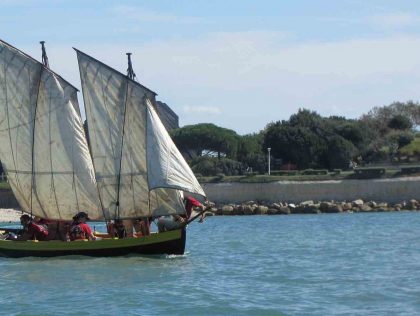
column 36, row 231
column 189, row 204
column 80, row 231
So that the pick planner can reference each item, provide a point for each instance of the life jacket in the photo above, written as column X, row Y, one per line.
column 42, row 229
column 76, row 232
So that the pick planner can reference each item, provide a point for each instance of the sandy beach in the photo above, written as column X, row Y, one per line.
column 8, row 215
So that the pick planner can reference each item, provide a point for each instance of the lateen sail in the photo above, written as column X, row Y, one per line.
column 42, row 143
column 167, row 168
column 131, row 150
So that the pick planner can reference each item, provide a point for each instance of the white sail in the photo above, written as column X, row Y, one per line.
column 43, row 148
column 167, row 167
column 166, row 201
column 123, row 130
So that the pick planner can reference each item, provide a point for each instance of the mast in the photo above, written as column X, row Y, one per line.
column 131, row 75
column 45, row 63
column 44, row 55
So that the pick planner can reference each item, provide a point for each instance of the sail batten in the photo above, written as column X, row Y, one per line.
column 42, row 143
column 122, row 129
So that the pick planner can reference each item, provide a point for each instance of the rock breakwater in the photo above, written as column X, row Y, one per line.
column 311, row 207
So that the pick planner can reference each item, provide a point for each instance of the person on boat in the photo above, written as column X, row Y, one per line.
column 142, row 226
column 32, row 230
column 167, row 223
column 117, row 229
column 41, row 221
column 80, row 229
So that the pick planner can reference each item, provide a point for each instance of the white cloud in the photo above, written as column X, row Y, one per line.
column 201, row 109
column 258, row 77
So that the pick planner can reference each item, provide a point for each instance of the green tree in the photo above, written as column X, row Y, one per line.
column 400, row 122
column 295, row 144
column 340, row 151
column 212, row 166
column 206, row 138
column 382, row 115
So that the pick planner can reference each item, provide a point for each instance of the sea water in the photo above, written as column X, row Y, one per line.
column 332, row 264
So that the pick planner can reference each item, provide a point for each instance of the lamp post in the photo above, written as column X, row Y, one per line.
column 269, row 160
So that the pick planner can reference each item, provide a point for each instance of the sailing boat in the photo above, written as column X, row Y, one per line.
column 131, row 170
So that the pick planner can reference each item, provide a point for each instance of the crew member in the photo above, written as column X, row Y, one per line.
column 166, row 223
column 79, row 229
column 117, row 229
column 32, row 230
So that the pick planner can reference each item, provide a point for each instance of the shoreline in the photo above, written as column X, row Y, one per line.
column 10, row 215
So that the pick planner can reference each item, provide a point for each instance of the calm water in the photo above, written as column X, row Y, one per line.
column 341, row 264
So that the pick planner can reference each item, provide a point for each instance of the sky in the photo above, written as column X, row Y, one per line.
column 239, row 64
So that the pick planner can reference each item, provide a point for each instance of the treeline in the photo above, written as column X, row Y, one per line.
column 305, row 140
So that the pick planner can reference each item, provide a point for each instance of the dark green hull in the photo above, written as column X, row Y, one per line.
column 172, row 242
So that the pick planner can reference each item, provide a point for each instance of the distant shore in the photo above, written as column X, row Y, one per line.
column 393, row 191
column 8, row 215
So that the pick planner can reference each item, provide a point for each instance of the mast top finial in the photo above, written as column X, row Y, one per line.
column 130, row 71
column 44, row 55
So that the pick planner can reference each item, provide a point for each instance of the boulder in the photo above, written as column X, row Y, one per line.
column 358, row 203
column 308, row 209
column 277, row 206
column 412, row 204
column 324, row 206
column 398, row 207
column 272, row 211
column 382, row 205
column 334, row 208
column 307, row 203
column 284, row 210
column 227, row 210
column 210, row 204
column 365, row 208
column 297, row 210
column 347, row 206
column 248, row 210
column 261, row 210
column 238, row 210
column 209, row 213
column 372, row 204
column 212, row 210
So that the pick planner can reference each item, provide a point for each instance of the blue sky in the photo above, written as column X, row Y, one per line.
column 237, row 64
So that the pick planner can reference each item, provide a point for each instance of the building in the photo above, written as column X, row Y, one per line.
column 168, row 117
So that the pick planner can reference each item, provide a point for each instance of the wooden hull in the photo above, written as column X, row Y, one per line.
column 172, row 242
